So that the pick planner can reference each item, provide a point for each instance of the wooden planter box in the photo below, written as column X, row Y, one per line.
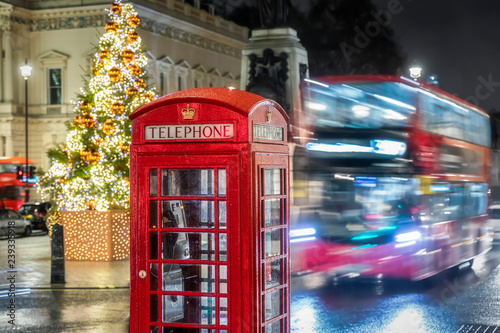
column 96, row 236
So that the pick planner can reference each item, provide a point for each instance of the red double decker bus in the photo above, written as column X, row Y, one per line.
column 391, row 179
column 13, row 181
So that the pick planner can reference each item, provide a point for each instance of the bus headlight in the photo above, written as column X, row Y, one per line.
column 407, row 238
column 388, row 147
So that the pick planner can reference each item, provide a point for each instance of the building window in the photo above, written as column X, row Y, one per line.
column 162, row 83
column 179, row 83
column 54, row 86
column 3, row 146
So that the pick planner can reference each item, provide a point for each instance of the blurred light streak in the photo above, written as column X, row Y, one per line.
column 302, row 232
column 305, row 239
column 316, row 82
column 408, row 236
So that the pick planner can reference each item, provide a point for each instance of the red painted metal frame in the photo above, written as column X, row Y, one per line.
column 241, row 157
column 226, row 162
column 274, row 162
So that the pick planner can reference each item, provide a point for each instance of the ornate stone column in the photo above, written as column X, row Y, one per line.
column 7, row 82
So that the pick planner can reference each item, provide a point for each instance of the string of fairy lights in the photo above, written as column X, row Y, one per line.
column 96, row 236
column 90, row 170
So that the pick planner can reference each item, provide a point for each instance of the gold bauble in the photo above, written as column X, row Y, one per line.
column 111, row 27
column 85, row 153
column 149, row 95
column 133, row 20
column 124, row 148
column 86, row 106
column 97, row 141
column 94, row 157
column 78, row 120
column 88, row 121
column 117, row 108
column 140, row 84
column 108, row 127
column 127, row 55
column 115, row 74
column 104, row 54
column 116, row 8
column 91, row 204
column 132, row 36
column 131, row 92
column 134, row 69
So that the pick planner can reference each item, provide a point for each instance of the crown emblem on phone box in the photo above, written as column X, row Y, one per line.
column 188, row 113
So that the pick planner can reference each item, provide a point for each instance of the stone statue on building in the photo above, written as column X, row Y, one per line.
column 273, row 12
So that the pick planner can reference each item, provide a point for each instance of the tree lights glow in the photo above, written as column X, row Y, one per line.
column 90, row 171
column 96, row 236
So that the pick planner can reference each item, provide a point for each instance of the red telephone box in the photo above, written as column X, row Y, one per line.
column 209, row 214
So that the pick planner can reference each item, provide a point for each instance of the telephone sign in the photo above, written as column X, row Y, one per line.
column 209, row 214
column 189, row 132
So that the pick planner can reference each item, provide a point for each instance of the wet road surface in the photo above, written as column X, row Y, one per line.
column 95, row 298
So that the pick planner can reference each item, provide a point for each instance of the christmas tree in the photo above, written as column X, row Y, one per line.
column 90, row 170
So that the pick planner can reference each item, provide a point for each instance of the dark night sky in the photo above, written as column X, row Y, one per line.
column 459, row 40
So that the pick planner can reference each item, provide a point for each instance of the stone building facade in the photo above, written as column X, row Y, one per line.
column 187, row 47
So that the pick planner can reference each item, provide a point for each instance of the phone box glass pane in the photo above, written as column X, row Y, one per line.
column 223, row 247
column 188, row 246
column 188, row 277
column 223, row 311
column 272, row 212
column 153, row 182
column 272, row 243
column 222, row 215
column 182, row 182
column 153, row 276
column 274, row 327
column 273, row 304
column 153, row 245
column 223, row 279
column 222, row 182
column 153, row 214
column 188, row 309
column 272, row 181
column 273, row 273
column 153, row 309
column 187, row 214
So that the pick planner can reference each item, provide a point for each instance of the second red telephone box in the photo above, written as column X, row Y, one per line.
column 209, row 214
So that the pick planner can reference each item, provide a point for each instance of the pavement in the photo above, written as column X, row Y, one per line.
column 94, row 297
column 33, row 256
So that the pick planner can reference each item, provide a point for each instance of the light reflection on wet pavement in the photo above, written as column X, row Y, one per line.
column 96, row 298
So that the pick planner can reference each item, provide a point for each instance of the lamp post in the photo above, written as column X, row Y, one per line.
column 415, row 72
column 26, row 73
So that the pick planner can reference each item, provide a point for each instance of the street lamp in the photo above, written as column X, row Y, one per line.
column 415, row 72
column 26, row 73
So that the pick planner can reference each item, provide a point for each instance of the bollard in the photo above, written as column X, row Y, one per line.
column 57, row 260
